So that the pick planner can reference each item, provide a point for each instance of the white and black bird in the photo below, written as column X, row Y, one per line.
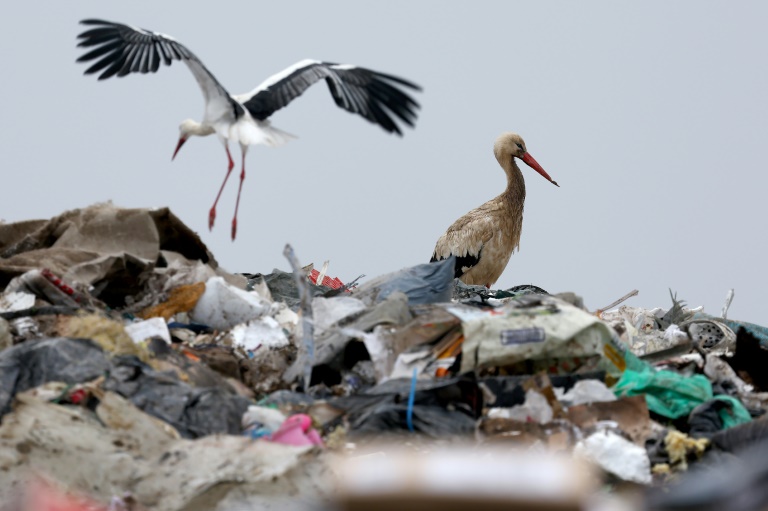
column 119, row 50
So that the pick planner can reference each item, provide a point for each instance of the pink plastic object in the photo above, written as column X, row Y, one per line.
column 296, row 430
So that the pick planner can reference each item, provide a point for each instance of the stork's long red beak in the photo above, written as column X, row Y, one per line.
column 181, row 143
column 528, row 159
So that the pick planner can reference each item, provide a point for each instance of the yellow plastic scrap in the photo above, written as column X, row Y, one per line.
column 679, row 445
column 109, row 334
column 182, row 299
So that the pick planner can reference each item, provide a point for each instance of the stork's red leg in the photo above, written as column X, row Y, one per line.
column 212, row 213
column 237, row 203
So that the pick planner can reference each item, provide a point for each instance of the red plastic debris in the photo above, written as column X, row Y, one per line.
column 64, row 288
column 333, row 283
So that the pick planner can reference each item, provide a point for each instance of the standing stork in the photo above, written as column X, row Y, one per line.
column 122, row 49
column 483, row 240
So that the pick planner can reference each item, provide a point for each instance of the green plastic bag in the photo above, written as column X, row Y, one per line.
column 672, row 395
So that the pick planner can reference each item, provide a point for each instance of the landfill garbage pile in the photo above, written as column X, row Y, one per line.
column 137, row 374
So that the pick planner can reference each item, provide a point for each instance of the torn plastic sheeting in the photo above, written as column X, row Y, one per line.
column 587, row 391
column 194, row 412
column 616, row 455
column 140, row 331
column 329, row 311
column 36, row 362
column 537, row 327
column 222, row 306
column 264, row 331
column 387, row 346
column 422, row 284
column 330, row 345
column 282, row 287
column 673, row 395
column 446, row 406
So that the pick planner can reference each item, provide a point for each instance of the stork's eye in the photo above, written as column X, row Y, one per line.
column 520, row 146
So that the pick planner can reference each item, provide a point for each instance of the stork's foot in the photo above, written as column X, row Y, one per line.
column 211, row 218
column 234, row 228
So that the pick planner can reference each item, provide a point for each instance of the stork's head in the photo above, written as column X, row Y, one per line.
column 512, row 145
column 189, row 127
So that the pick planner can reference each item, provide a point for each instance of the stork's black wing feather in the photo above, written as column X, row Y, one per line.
column 378, row 97
column 119, row 50
column 463, row 263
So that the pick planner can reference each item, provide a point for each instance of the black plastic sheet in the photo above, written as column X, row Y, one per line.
column 193, row 411
column 442, row 407
column 36, row 362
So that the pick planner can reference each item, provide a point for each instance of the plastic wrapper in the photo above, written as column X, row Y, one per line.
column 538, row 328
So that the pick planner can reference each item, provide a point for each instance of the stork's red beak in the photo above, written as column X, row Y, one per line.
column 178, row 146
column 528, row 159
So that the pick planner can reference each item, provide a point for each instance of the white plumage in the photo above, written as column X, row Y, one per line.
column 119, row 50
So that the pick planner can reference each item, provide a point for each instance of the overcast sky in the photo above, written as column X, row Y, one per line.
column 652, row 116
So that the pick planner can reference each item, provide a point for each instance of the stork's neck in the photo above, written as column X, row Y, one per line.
column 190, row 127
column 515, row 192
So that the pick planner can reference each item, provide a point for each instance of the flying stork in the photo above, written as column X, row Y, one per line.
column 119, row 50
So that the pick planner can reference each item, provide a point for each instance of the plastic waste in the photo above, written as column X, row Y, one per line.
column 329, row 311
column 443, row 407
column 18, row 301
column 616, row 455
column 223, row 306
column 296, row 430
column 585, row 391
column 535, row 409
column 559, row 337
column 193, row 411
column 140, row 331
column 261, row 421
column 673, row 395
column 422, row 284
column 263, row 332
column 35, row 362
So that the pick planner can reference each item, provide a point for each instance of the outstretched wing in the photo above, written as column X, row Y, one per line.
column 122, row 49
column 376, row 96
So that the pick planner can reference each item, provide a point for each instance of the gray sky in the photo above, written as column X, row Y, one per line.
column 652, row 116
